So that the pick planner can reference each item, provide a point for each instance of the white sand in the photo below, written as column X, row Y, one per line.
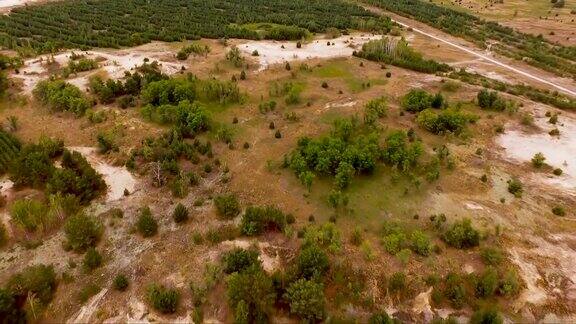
column 271, row 52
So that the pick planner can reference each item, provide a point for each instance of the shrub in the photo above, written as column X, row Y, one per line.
column 382, row 318
column 510, row 284
column 397, row 282
column 486, row 316
column 557, row 172
column 163, row 299
column 492, row 256
column 256, row 220
column 416, row 100
column 239, row 260
column 538, row 160
column 487, row 283
column 3, row 235
column 462, row 235
column 82, row 232
column 394, row 242
column 227, row 206
column 180, row 214
column 31, row 215
column 558, row 211
column 38, row 281
column 146, row 224
column 251, row 295
column 312, row 262
column 515, row 187
column 222, row 233
column 420, row 243
column 306, row 299
column 61, row 96
column 120, row 282
column 375, row 109
column 448, row 120
column 326, row 236
column 92, row 259
column 455, row 290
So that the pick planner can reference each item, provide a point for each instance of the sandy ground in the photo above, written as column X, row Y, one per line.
column 520, row 145
column 118, row 179
column 275, row 52
column 113, row 63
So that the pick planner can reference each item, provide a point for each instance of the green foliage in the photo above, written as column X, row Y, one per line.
column 515, row 187
column 399, row 153
column 239, row 260
column 420, row 243
column 492, row 256
column 312, row 262
column 31, row 215
column 558, row 211
column 180, row 214
column 390, row 51
column 251, row 294
column 92, row 259
column 326, row 236
column 257, row 220
column 510, row 284
column 9, row 149
column 487, row 283
column 382, row 318
column 120, row 282
column 227, row 206
column 146, row 224
column 306, row 299
column 80, row 65
column 491, row 101
column 38, row 281
column 449, row 120
column 462, row 235
column 235, row 57
column 538, row 160
column 455, row 290
column 3, row 235
column 61, row 96
column 375, row 109
column 163, row 299
column 486, row 316
column 194, row 48
column 82, row 232
column 397, row 282
column 416, row 100
column 33, row 165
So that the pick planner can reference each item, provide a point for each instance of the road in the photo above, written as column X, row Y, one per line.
column 475, row 53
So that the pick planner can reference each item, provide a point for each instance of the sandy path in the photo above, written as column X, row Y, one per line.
column 437, row 35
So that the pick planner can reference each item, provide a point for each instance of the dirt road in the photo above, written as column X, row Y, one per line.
column 438, row 35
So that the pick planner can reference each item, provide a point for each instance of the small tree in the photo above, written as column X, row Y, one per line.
column 227, row 206
column 538, row 160
column 239, row 260
column 312, row 262
column 306, row 299
column 146, row 224
column 120, row 282
column 180, row 214
column 462, row 235
column 82, row 232
column 163, row 299
column 92, row 260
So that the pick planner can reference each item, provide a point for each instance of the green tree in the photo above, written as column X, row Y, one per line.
column 306, row 299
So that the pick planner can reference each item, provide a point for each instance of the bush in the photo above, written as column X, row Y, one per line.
column 486, row 316
column 326, row 236
column 180, row 214
column 227, row 206
column 558, row 211
column 3, row 235
column 420, row 243
column 382, row 318
column 487, row 283
column 31, row 215
column 416, row 100
column 492, row 256
column 251, row 295
column 515, row 187
column 120, row 282
column 312, row 262
column 462, row 235
column 538, row 160
column 306, row 299
column 92, row 259
column 239, row 260
column 455, row 290
column 448, row 120
column 61, row 96
column 38, row 281
column 397, row 282
column 82, row 232
column 163, row 299
column 146, row 224
column 256, row 220
column 374, row 109
column 510, row 284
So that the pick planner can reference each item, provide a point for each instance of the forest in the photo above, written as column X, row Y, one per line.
column 506, row 41
column 109, row 23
